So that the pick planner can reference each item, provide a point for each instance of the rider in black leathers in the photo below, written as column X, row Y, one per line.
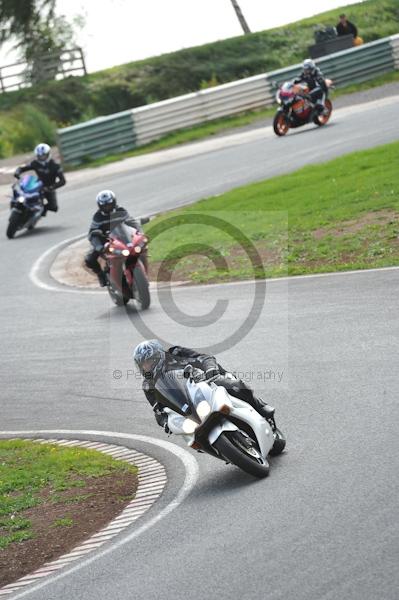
column 178, row 357
column 108, row 215
column 314, row 78
column 49, row 172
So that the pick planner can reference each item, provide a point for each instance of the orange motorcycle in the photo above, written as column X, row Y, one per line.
column 297, row 109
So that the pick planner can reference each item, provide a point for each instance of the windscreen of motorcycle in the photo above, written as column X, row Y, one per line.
column 123, row 232
column 286, row 90
column 171, row 390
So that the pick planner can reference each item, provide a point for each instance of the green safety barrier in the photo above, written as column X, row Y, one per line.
column 96, row 138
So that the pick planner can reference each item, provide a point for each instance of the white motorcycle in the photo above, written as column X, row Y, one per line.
column 211, row 420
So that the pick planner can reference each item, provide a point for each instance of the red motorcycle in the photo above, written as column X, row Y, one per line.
column 296, row 108
column 125, row 255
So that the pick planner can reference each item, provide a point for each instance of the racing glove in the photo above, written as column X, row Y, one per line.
column 212, row 372
column 161, row 417
column 17, row 174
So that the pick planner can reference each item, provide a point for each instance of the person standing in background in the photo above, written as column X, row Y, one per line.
column 345, row 27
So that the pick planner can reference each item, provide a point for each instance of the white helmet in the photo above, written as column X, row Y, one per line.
column 308, row 65
column 42, row 152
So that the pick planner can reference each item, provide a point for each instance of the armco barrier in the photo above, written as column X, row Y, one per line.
column 349, row 66
column 126, row 130
column 395, row 49
column 98, row 137
column 154, row 120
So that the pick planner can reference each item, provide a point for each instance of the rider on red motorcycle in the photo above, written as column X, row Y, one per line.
column 314, row 79
column 108, row 215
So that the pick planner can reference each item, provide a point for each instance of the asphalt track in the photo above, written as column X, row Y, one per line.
column 324, row 350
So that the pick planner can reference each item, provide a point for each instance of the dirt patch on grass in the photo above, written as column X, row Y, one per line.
column 274, row 257
column 380, row 217
column 64, row 519
column 231, row 263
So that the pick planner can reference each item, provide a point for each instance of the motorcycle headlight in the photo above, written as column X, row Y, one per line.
column 21, row 199
column 203, row 409
column 137, row 249
column 125, row 252
column 189, row 426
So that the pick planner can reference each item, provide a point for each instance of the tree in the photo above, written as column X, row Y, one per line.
column 44, row 45
column 40, row 35
column 19, row 17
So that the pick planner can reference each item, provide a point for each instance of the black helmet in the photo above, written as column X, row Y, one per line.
column 149, row 356
column 106, row 201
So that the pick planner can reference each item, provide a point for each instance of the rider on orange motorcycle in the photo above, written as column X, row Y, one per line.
column 314, row 79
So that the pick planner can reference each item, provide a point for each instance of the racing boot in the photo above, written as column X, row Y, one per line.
column 102, row 279
column 265, row 410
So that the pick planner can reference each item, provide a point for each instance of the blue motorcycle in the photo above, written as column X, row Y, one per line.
column 26, row 204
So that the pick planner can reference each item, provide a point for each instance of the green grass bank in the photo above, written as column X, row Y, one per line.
column 335, row 216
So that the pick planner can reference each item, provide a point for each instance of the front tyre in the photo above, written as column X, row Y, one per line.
column 323, row 119
column 141, row 287
column 14, row 224
column 237, row 451
column 280, row 124
column 279, row 443
column 116, row 296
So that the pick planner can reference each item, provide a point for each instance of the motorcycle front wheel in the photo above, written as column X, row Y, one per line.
column 323, row 119
column 116, row 296
column 235, row 450
column 14, row 223
column 280, row 124
column 141, row 288
column 279, row 443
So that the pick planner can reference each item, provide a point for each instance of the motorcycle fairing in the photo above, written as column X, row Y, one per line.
column 218, row 398
column 171, row 391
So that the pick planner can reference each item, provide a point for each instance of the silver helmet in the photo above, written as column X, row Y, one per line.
column 149, row 356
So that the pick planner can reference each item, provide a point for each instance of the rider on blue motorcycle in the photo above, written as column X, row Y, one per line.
column 49, row 172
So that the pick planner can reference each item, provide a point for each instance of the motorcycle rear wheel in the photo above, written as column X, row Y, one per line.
column 14, row 224
column 323, row 119
column 141, row 288
column 228, row 448
column 280, row 124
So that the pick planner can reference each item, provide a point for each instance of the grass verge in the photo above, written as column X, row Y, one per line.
column 223, row 125
column 44, row 475
column 335, row 216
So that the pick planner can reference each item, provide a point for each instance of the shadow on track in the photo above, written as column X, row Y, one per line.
column 231, row 479
column 120, row 312
column 302, row 130
column 45, row 228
